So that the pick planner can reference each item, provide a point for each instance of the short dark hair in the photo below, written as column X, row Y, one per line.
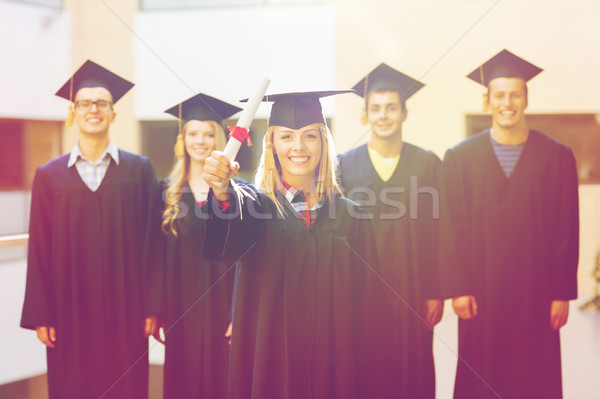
column 524, row 88
column 402, row 100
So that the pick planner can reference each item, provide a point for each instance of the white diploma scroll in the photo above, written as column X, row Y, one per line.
column 233, row 145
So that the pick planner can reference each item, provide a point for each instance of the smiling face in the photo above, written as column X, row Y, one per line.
column 298, row 152
column 385, row 114
column 199, row 139
column 92, row 121
column 507, row 100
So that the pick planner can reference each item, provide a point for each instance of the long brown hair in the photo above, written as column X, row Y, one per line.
column 178, row 181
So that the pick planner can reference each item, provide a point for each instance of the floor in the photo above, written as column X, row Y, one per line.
column 22, row 356
column 580, row 345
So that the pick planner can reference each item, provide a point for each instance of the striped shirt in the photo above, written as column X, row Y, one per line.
column 508, row 155
column 91, row 173
column 300, row 204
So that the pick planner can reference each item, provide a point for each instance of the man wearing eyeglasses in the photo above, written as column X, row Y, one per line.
column 86, row 267
column 92, row 154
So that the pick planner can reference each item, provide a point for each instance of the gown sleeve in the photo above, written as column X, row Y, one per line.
column 566, row 249
column 155, row 255
column 428, row 230
column 373, row 298
column 38, row 308
column 455, row 274
column 229, row 232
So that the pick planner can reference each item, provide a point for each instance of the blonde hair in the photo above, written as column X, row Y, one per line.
column 178, row 180
column 267, row 177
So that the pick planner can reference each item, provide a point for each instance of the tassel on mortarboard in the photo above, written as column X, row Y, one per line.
column 179, row 149
column 363, row 116
column 269, row 157
column 71, row 115
column 485, row 94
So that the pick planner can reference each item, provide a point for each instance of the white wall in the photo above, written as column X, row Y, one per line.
column 15, row 212
column 14, row 206
column 223, row 51
column 21, row 354
column 441, row 41
column 589, row 233
column 36, row 57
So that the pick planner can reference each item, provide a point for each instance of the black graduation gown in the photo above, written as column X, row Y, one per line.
column 197, row 309
column 86, row 276
column 304, row 308
column 513, row 244
column 404, row 213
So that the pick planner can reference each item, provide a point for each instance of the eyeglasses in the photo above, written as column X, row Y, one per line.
column 101, row 105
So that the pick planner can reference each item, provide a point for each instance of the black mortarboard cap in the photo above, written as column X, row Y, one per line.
column 296, row 110
column 384, row 77
column 91, row 74
column 504, row 65
column 203, row 108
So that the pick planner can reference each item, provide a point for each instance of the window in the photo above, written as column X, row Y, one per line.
column 11, row 155
column 25, row 145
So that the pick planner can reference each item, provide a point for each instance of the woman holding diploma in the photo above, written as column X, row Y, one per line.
column 305, row 312
column 195, row 295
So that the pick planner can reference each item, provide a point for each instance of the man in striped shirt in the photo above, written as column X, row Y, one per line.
column 509, row 244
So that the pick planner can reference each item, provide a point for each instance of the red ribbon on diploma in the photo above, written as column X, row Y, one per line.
column 240, row 134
